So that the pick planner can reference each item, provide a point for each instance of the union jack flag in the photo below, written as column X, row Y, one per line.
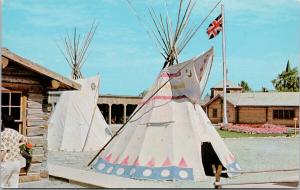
column 215, row 27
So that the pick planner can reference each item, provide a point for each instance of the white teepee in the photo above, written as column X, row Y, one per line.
column 170, row 137
column 76, row 123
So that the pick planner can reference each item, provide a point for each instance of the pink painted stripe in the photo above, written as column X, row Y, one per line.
column 164, row 98
column 171, row 75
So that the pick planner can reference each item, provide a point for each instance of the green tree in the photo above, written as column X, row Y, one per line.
column 142, row 94
column 264, row 89
column 287, row 80
column 245, row 86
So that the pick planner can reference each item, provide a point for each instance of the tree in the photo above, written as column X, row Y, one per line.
column 264, row 89
column 287, row 80
column 142, row 94
column 245, row 86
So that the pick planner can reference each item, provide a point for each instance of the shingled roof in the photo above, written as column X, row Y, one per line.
column 261, row 99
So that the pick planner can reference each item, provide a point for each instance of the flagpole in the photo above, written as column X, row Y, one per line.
column 225, row 122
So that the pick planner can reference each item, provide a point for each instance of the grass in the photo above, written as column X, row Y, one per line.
column 231, row 134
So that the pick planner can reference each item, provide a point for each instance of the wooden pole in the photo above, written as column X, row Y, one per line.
column 295, row 121
column 225, row 122
column 218, row 177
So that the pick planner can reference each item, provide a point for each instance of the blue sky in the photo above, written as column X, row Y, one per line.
column 261, row 36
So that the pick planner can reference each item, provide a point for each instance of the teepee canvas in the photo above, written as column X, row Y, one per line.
column 170, row 137
column 76, row 123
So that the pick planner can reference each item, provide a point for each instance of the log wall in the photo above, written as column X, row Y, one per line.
column 36, row 131
column 252, row 115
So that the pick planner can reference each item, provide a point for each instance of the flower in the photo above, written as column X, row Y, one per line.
column 28, row 145
column 258, row 129
column 27, row 148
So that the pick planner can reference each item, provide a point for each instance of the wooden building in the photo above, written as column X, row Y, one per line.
column 231, row 88
column 115, row 109
column 256, row 108
column 24, row 96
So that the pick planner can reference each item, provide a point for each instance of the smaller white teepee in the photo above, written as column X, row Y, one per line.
column 77, row 123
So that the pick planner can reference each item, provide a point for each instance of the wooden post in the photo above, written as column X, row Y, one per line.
column 109, row 114
column 295, row 121
column 218, row 176
column 24, row 115
column 124, row 114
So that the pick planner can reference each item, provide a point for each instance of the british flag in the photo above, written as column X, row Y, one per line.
column 215, row 27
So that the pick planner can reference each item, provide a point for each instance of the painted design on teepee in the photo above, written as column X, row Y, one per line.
column 167, row 162
column 231, row 157
column 182, row 163
column 136, row 162
column 116, row 160
column 151, row 163
column 145, row 172
column 107, row 158
column 167, row 98
column 171, row 75
column 125, row 161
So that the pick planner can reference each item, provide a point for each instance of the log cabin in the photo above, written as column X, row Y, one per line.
column 279, row 108
column 24, row 95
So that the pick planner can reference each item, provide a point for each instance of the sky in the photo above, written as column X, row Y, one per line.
column 261, row 35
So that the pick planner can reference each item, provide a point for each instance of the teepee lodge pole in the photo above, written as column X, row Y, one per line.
column 225, row 122
column 75, row 50
column 171, row 41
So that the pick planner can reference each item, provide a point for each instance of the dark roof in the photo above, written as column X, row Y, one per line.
column 66, row 83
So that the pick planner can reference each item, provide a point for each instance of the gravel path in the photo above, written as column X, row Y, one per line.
column 251, row 153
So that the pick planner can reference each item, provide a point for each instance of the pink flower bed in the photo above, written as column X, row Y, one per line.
column 258, row 129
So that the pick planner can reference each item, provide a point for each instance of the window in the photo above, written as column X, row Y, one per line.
column 215, row 113
column 283, row 114
column 11, row 105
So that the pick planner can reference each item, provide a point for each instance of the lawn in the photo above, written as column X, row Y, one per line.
column 230, row 134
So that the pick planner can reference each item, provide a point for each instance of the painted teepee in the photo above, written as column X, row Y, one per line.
column 76, row 123
column 170, row 138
